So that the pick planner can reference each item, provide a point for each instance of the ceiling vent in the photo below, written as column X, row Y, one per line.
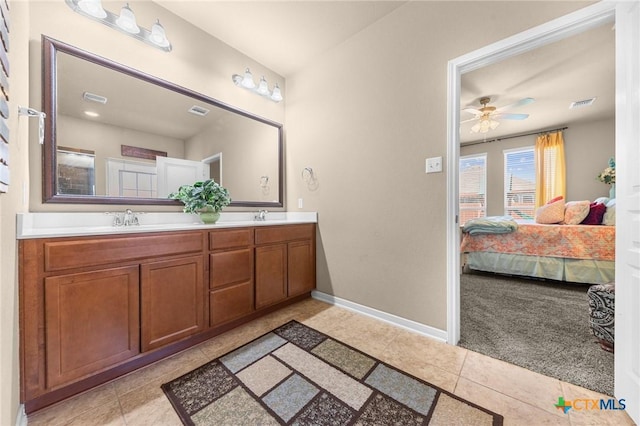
column 583, row 103
column 198, row 110
column 92, row 97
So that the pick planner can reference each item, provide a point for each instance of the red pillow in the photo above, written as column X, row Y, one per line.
column 596, row 213
column 553, row 200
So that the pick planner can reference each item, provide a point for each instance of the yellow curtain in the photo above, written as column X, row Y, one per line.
column 550, row 167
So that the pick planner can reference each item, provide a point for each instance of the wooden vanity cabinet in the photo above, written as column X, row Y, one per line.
column 96, row 307
column 230, row 275
column 90, row 305
column 285, row 262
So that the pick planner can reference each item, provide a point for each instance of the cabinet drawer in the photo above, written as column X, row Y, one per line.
column 275, row 234
column 230, row 238
column 59, row 255
column 230, row 303
column 228, row 267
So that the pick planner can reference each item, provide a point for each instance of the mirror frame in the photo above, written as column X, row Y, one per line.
column 50, row 48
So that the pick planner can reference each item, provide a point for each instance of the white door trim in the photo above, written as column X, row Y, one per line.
column 627, row 315
column 558, row 29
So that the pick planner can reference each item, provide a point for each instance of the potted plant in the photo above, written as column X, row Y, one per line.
column 206, row 198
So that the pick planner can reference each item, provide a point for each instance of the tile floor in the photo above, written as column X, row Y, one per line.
column 521, row 396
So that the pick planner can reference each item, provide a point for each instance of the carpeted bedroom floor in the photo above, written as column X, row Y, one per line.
column 540, row 325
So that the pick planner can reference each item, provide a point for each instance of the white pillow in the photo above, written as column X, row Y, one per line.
column 601, row 200
column 609, row 217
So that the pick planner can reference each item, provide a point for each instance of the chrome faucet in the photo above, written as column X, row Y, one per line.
column 261, row 215
column 130, row 218
column 126, row 218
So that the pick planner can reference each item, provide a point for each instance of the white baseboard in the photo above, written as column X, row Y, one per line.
column 21, row 418
column 414, row 326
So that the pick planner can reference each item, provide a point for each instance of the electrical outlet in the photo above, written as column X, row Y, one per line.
column 434, row 165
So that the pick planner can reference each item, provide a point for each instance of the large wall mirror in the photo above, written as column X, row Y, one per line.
column 115, row 135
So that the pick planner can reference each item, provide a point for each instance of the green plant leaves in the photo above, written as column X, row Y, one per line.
column 202, row 195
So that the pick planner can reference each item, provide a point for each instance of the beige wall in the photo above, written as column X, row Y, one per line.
column 249, row 150
column 72, row 134
column 198, row 61
column 588, row 147
column 364, row 116
column 10, row 204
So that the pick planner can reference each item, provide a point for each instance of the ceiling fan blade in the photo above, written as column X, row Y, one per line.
column 511, row 116
column 521, row 102
column 472, row 110
column 469, row 120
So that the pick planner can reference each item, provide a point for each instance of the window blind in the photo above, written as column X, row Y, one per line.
column 519, row 183
column 473, row 187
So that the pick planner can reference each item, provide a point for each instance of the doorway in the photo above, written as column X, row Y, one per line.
column 627, row 17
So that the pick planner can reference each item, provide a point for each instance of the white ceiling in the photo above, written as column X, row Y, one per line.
column 292, row 33
column 574, row 69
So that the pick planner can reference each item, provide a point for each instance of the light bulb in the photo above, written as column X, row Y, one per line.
column 158, row 35
column 263, row 87
column 276, row 96
column 93, row 8
column 247, row 80
column 127, row 20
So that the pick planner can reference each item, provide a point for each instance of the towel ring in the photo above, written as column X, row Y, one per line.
column 307, row 174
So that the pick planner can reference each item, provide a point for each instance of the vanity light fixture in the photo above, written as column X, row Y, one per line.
column 262, row 88
column 125, row 22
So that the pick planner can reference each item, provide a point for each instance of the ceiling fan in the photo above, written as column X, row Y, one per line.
column 487, row 115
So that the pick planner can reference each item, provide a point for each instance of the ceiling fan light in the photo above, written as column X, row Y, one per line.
column 93, row 8
column 493, row 124
column 127, row 20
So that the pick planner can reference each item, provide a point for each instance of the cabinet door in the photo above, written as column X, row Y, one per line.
column 271, row 274
column 92, row 322
column 301, row 270
column 172, row 297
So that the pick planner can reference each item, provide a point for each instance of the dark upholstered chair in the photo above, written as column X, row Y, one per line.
column 602, row 311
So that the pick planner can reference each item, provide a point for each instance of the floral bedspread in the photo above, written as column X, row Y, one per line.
column 571, row 241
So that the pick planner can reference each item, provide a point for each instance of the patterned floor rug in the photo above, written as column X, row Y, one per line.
column 296, row 375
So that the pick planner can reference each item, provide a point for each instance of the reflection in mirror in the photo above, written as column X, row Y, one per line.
column 119, row 136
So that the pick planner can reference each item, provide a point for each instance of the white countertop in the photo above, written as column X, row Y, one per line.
column 54, row 224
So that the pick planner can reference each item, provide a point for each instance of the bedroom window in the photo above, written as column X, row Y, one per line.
column 473, row 187
column 519, row 183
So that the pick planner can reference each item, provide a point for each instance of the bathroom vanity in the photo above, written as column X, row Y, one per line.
column 97, row 302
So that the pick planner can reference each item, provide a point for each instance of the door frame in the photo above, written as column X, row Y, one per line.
column 574, row 23
column 555, row 30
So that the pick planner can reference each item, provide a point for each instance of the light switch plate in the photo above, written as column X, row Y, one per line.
column 434, row 165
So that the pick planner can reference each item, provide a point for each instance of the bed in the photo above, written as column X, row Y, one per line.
column 573, row 253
